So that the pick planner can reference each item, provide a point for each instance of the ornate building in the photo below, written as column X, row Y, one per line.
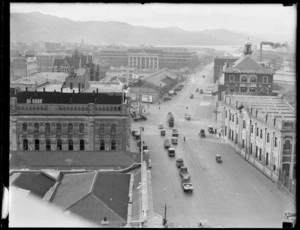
column 56, row 121
column 247, row 76
column 263, row 128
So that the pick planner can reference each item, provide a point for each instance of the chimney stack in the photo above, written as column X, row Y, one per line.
column 26, row 88
column 44, row 89
column 61, row 89
column 97, row 90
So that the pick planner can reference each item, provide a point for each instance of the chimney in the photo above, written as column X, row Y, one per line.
column 61, row 89
column 44, row 89
column 26, row 88
column 73, row 91
column 97, row 90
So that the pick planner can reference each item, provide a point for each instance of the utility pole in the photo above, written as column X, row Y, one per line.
column 165, row 218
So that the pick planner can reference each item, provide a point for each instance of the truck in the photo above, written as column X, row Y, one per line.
column 187, row 185
column 170, row 119
column 175, row 133
column 187, row 116
column 184, row 174
column 171, row 92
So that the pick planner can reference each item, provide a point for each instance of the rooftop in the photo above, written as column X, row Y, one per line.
column 160, row 78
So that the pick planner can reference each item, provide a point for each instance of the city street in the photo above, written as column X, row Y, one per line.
column 230, row 194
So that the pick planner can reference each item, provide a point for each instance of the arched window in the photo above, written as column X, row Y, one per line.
column 47, row 128
column 36, row 127
column 58, row 128
column 287, row 145
column 267, row 158
column 102, row 145
column 48, row 145
column 36, row 145
column 25, row 144
column 253, row 79
column 256, row 151
column 113, row 129
column 243, row 79
column 81, row 128
column 265, row 90
column 59, row 144
column 70, row 145
column 268, row 138
column 24, row 126
column 81, row 144
column 113, row 145
column 231, row 89
column 275, row 142
column 259, row 157
column 70, row 128
column 101, row 128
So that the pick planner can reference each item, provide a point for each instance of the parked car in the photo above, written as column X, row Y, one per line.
column 163, row 132
column 140, row 117
column 174, row 140
column 179, row 163
column 168, row 98
column 167, row 144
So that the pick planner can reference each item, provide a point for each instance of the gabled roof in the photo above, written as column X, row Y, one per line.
column 37, row 183
column 246, row 63
column 161, row 77
column 94, row 195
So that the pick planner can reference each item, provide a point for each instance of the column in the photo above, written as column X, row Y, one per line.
column 129, row 61
column 148, row 63
column 156, row 63
column 140, row 62
column 91, row 136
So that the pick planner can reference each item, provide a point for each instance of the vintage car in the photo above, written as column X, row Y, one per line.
column 163, row 132
column 218, row 159
column 179, row 163
column 202, row 133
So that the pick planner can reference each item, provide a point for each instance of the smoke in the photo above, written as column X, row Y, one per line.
column 274, row 45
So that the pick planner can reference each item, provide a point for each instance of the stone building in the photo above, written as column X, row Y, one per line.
column 57, row 121
column 263, row 130
column 247, row 76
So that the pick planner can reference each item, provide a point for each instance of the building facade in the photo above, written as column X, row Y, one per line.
column 32, row 66
column 147, row 57
column 55, row 121
column 263, row 130
column 219, row 63
column 45, row 60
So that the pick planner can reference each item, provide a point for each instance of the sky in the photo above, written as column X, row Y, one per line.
column 271, row 20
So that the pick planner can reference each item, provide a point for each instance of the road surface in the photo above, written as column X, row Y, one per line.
column 230, row 194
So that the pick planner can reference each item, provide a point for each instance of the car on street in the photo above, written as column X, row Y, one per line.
column 163, row 132
column 201, row 91
column 134, row 131
column 192, row 96
column 171, row 152
column 160, row 125
column 168, row 98
column 167, row 144
column 179, row 163
column 187, row 116
column 174, row 140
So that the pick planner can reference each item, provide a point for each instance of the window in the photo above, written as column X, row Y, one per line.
column 81, row 143
column 268, row 138
column 59, row 144
column 251, row 148
column 243, row 79
column 25, row 144
column 232, row 117
column 36, row 145
column 70, row 128
column 231, row 89
column 267, row 159
column 36, row 127
column 244, row 124
column 237, row 120
column 225, row 131
column 102, row 145
column 58, row 128
column 243, row 144
column 253, row 79
column 70, row 145
column 71, row 85
column 113, row 145
column 225, row 114
column 256, row 151
column 287, row 145
column 251, row 128
column 101, row 128
column 257, row 132
column 24, row 127
column 275, row 142
column 252, row 90
column 47, row 128
column 48, row 145
column 113, row 128
column 231, row 78
column 243, row 89
column 259, row 158
column 265, row 79
column 274, row 167
column 81, row 128
column 261, row 133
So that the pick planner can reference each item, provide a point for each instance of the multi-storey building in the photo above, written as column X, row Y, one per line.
column 56, row 121
column 32, row 66
column 247, row 76
column 148, row 57
column 45, row 60
column 263, row 128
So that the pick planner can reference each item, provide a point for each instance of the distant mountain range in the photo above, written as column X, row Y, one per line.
column 37, row 27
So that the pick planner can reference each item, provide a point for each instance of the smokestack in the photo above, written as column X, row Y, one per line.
column 73, row 91
column 26, row 88
column 97, row 90
column 61, row 89
column 44, row 89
